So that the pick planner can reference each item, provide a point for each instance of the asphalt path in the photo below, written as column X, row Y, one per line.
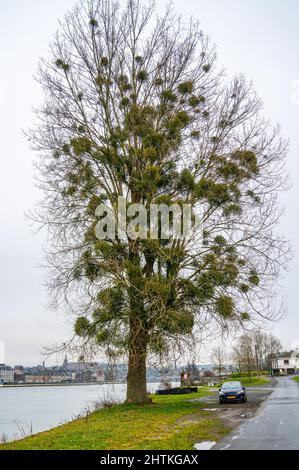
column 276, row 427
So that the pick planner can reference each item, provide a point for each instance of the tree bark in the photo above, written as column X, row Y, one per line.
column 136, row 383
column 138, row 338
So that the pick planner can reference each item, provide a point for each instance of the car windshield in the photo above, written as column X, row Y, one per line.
column 231, row 385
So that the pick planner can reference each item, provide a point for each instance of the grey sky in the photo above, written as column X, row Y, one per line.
column 257, row 37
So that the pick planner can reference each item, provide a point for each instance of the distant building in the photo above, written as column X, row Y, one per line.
column 286, row 363
column 6, row 374
column 69, row 372
column 41, row 375
column 84, row 371
column 19, row 376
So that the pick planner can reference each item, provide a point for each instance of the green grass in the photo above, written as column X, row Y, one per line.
column 250, row 382
column 253, row 373
column 296, row 379
column 254, row 381
column 170, row 423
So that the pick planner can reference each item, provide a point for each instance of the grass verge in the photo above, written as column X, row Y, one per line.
column 248, row 381
column 252, row 381
column 296, row 379
column 170, row 423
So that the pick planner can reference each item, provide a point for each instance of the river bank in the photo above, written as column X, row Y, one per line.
column 171, row 422
column 30, row 410
column 175, row 422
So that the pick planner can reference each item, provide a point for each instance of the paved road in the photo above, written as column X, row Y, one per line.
column 276, row 427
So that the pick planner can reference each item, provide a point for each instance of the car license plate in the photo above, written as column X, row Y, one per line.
column 231, row 397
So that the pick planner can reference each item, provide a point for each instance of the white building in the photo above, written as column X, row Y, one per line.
column 6, row 374
column 286, row 363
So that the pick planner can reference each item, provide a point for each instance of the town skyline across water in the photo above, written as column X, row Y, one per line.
column 93, row 372
column 81, row 372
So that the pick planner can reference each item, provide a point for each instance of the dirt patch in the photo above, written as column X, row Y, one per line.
column 232, row 414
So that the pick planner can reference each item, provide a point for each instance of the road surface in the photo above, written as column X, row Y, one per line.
column 276, row 427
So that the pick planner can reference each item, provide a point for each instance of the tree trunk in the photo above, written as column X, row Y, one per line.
column 136, row 384
column 138, row 340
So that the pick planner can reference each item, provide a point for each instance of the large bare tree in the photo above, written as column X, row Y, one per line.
column 135, row 106
column 218, row 359
column 255, row 350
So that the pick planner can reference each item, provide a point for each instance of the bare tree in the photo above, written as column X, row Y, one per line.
column 136, row 107
column 255, row 351
column 218, row 359
column 244, row 355
column 193, row 373
column 258, row 343
column 271, row 348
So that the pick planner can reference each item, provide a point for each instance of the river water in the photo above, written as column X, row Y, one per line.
column 27, row 410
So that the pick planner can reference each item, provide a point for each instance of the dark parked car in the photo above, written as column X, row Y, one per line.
column 232, row 392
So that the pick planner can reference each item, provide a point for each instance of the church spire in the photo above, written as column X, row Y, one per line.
column 65, row 362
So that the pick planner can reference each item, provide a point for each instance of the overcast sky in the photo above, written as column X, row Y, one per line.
column 257, row 37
